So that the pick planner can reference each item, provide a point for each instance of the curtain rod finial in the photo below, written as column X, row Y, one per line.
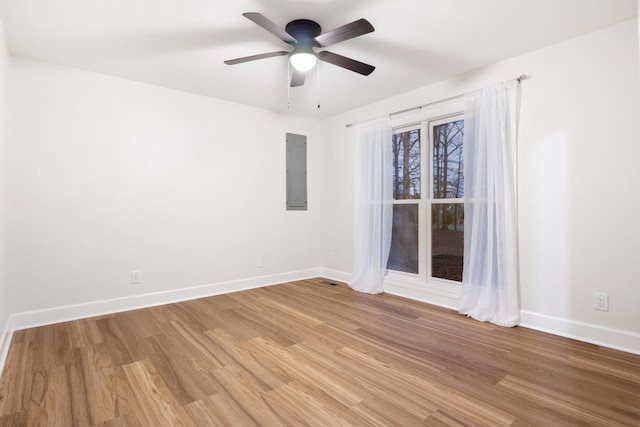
column 524, row 77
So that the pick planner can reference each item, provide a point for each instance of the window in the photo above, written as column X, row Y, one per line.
column 428, row 231
column 406, row 193
column 447, row 205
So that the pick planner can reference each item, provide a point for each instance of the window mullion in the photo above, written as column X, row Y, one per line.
column 423, row 222
column 442, row 201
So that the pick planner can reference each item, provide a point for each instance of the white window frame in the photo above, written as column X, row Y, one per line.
column 422, row 285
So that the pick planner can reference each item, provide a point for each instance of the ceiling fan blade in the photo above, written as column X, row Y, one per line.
column 345, row 32
column 255, row 57
column 270, row 26
column 297, row 78
column 344, row 62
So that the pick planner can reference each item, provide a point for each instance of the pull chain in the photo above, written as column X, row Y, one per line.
column 318, row 65
column 288, row 85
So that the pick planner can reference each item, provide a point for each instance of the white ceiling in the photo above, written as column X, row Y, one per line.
column 181, row 44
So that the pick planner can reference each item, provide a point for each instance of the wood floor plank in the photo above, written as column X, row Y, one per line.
column 185, row 383
column 15, row 419
column 155, row 401
column 123, row 347
column 96, row 362
column 620, row 370
column 84, row 332
column 310, row 354
column 15, row 384
column 79, row 398
column 186, row 342
column 207, row 313
column 52, row 347
column 578, row 410
column 53, row 405
column 375, row 383
column 327, row 374
column 318, row 411
column 472, row 409
column 380, row 413
column 243, row 358
column 267, row 328
column 305, row 371
column 220, row 409
column 247, row 391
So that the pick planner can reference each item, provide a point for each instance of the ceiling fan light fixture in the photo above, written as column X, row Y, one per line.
column 303, row 61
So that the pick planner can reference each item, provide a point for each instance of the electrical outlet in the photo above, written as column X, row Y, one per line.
column 136, row 277
column 332, row 256
column 600, row 301
column 258, row 262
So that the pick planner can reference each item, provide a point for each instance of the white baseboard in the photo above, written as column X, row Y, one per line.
column 600, row 335
column 338, row 276
column 31, row 319
column 5, row 342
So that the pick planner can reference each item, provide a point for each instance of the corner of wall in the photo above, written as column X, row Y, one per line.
column 4, row 140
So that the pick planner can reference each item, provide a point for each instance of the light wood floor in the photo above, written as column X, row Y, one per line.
column 307, row 353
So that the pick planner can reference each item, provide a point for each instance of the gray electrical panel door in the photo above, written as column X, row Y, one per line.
column 296, row 172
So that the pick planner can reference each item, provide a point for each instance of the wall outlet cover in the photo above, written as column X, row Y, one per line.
column 136, row 277
column 600, row 301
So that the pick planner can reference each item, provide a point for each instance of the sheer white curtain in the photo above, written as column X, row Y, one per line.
column 490, row 275
column 373, row 204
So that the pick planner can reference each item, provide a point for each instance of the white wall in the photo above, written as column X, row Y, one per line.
column 109, row 175
column 578, row 163
column 4, row 137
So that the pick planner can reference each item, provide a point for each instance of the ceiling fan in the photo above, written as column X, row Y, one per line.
column 305, row 35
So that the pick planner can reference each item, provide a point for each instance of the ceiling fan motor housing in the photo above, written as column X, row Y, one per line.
column 304, row 31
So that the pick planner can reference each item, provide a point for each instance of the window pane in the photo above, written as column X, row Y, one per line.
column 448, row 163
column 447, row 240
column 406, row 164
column 404, row 241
